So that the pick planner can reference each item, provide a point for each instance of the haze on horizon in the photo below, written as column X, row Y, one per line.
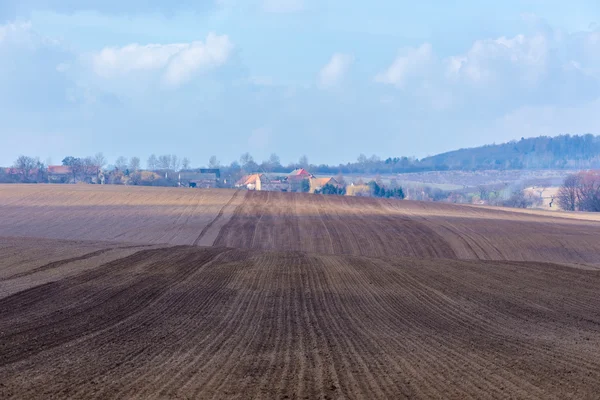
column 330, row 79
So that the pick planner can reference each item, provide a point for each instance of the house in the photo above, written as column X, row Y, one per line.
column 200, row 178
column 300, row 173
column 276, row 184
column 316, row 184
column 298, row 179
column 59, row 174
column 207, row 181
column 252, row 182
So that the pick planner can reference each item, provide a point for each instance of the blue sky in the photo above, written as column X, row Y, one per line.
column 330, row 79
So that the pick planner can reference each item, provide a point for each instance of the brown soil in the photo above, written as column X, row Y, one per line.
column 389, row 228
column 115, row 213
column 298, row 222
column 314, row 297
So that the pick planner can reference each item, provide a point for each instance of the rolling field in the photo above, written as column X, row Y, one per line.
column 115, row 292
column 296, row 222
column 115, row 213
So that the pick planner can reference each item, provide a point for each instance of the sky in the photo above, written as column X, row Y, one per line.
column 329, row 79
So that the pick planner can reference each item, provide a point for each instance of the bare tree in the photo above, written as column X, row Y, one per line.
column 175, row 163
column 303, row 162
column 164, row 162
column 152, row 162
column 246, row 159
column 99, row 160
column 185, row 163
column 362, row 160
column 25, row 166
column 568, row 193
column 134, row 164
column 540, row 190
column 42, row 171
column 89, row 168
column 121, row 163
column 484, row 193
column 589, row 191
column 213, row 162
column 374, row 159
column 274, row 161
column 518, row 199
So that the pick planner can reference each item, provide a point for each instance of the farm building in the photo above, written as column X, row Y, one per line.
column 59, row 174
column 252, row 182
column 300, row 173
column 201, row 178
column 276, row 184
column 316, row 184
column 297, row 179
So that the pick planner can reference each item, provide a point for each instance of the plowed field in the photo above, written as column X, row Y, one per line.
column 298, row 297
column 115, row 213
column 297, row 222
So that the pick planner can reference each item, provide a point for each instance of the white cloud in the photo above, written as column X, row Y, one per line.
column 545, row 68
column 179, row 61
column 14, row 30
column 410, row 63
column 283, row 6
column 197, row 56
column 333, row 73
column 524, row 58
column 113, row 61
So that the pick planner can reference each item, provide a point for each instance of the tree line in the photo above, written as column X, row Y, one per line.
column 561, row 152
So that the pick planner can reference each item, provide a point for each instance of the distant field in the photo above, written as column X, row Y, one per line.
column 154, row 293
column 297, row 222
column 461, row 179
column 115, row 213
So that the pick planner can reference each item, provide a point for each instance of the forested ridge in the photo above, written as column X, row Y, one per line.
column 563, row 151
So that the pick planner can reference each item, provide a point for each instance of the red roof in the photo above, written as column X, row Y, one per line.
column 300, row 172
column 59, row 169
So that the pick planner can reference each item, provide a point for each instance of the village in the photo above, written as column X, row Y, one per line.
column 523, row 189
column 300, row 180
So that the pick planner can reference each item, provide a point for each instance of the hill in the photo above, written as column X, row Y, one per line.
column 295, row 222
column 566, row 152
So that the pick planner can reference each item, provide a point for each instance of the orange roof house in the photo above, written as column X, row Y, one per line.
column 252, row 182
column 317, row 184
